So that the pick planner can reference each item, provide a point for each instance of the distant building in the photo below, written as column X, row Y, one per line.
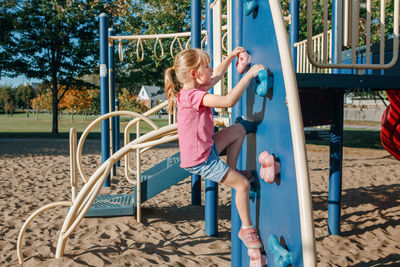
column 151, row 96
column 34, row 85
column 363, row 108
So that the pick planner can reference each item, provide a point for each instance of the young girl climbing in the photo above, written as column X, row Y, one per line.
column 186, row 85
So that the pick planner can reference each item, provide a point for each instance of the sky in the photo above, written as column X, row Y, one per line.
column 15, row 82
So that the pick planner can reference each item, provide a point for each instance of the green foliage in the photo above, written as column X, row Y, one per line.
column 146, row 17
column 318, row 18
column 23, row 96
column 7, row 99
column 127, row 101
column 95, row 106
column 54, row 41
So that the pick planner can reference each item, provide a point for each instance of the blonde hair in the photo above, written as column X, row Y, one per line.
column 188, row 59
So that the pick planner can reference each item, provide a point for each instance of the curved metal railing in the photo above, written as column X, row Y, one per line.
column 81, row 202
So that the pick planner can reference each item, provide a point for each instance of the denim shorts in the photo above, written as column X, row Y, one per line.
column 213, row 168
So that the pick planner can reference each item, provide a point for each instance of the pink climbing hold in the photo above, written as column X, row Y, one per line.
column 257, row 259
column 269, row 167
column 243, row 61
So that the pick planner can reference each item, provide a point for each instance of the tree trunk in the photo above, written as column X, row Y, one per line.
column 54, row 129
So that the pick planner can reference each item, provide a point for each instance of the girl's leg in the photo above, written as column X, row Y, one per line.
column 230, row 138
column 242, row 187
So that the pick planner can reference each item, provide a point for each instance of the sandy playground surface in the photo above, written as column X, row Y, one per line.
column 36, row 172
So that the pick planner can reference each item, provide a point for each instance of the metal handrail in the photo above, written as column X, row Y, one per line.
column 355, row 37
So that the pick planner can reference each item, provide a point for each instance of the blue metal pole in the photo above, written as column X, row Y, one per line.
column 237, row 22
column 196, row 43
column 335, row 31
column 336, row 139
column 335, row 168
column 294, row 29
column 111, row 64
column 211, row 188
column 117, row 129
column 105, row 126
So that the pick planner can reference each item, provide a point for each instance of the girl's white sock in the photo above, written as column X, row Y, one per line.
column 247, row 226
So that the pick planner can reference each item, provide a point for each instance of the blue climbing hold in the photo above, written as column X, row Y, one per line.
column 265, row 81
column 249, row 126
column 282, row 257
column 250, row 6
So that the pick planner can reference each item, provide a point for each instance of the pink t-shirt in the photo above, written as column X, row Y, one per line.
column 195, row 127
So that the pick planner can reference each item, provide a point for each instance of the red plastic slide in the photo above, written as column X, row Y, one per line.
column 390, row 132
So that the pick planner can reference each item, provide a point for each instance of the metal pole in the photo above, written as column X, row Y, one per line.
column 111, row 84
column 336, row 139
column 294, row 29
column 211, row 188
column 196, row 43
column 105, row 130
column 117, row 129
column 237, row 22
column 335, row 167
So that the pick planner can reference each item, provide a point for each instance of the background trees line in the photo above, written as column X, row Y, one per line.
column 56, row 41
column 75, row 101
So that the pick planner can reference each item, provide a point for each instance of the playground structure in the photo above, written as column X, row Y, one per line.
column 287, row 107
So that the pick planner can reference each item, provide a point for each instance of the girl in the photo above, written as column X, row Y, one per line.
column 186, row 84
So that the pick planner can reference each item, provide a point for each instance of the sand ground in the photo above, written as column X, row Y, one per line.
column 36, row 172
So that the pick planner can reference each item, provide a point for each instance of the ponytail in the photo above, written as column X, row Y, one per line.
column 170, row 89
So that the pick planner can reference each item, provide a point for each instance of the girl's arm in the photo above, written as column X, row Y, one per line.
column 229, row 100
column 221, row 69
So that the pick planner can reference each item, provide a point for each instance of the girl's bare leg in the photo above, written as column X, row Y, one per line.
column 242, row 187
column 232, row 138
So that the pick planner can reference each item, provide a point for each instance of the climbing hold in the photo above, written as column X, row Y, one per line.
column 244, row 60
column 252, row 194
column 282, row 257
column 265, row 81
column 269, row 167
column 250, row 6
column 257, row 259
column 249, row 126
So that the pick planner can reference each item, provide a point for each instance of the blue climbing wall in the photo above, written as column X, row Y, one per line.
column 275, row 209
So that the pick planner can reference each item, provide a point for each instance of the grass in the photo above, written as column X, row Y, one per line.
column 21, row 126
column 356, row 138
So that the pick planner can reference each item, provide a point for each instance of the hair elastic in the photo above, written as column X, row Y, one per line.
column 173, row 68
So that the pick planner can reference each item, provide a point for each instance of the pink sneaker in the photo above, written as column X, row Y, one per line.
column 250, row 238
column 257, row 259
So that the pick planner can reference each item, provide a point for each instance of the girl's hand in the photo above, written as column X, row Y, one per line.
column 237, row 51
column 253, row 71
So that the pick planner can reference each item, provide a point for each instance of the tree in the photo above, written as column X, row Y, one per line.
column 51, row 40
column 95, row 106
column 128, row 101
column 42, row 102
column 146, row 17
column 76, row 100
column 7, row 99
column 23, row 97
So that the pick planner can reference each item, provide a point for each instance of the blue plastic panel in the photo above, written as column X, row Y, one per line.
column 154, row 181
column 161, row 177
column 112, row 205
column 276, row 210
